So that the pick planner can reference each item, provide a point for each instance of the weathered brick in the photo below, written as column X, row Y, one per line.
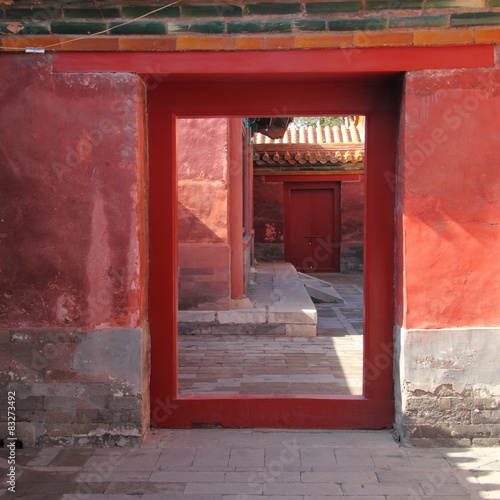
column 61, row 416
column 21, row 351
column 8, row 29
column 486, row 441
column 484, row 430
column 139, row 28
column 197, row 27
column 91, row 390
column 146, row 43
column 456, row 4
column 382, row 39
column 64, row 402
column 332, row 7
column 29, row 416
column 249, row 43
column 443, row 37
column 217, row 43
column 367, row 24
column 134, row 11
column 488, row 35
column 71, row 429
column 32, row 13
column 222, row 10
column 393, row 4
column 475, row 19
column 259, row 26
column 77, row 27
column 125, row 403
column 90, row 12
column 279, row 42
column 458, row 403
column 91, row 43
column 310, row 24
column 484, row 403
column 445, row 403
column 486, row 417
column 127, row 417
column 268, row 8
column 188, row 43
column 188, row 271
column 197, row 328
column 96, row 416
column 419, row 21
column 30, row 403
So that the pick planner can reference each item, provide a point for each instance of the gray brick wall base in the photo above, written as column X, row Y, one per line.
column 75, row 387
column 447, row 389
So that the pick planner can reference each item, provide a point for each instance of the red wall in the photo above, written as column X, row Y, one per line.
column 449, row 225
column 268, row 219
column 203, row 191
column 203, row 180
column 71, row 222
column 352, row 220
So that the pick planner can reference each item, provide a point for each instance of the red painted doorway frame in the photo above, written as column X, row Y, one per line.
column 334, row 248
column 378, row 102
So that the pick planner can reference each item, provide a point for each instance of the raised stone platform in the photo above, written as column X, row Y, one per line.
column 278, row 304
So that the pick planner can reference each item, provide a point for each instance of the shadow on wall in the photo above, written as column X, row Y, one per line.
column 193, row 230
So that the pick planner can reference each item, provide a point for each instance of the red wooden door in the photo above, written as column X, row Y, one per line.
column 312, row 227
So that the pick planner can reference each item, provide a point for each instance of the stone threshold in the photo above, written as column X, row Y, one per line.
column 278, row 304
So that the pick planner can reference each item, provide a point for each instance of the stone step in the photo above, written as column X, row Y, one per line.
column 319, row 290
column 278, row 305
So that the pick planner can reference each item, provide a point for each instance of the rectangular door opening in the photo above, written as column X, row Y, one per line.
column 243, row 328
column 369, row 407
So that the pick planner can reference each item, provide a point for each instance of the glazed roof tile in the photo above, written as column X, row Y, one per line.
column 320, row 134
column 314, row 148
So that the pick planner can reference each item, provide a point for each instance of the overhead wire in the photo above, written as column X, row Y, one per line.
column 107, row 30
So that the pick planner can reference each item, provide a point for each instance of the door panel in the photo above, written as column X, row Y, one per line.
column 299, row 249
column 312, row 227
column 323, row 229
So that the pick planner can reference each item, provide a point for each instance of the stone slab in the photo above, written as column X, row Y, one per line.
column 322, row 291
column 278, row 304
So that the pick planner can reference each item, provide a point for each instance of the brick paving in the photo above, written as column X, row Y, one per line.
column 246, row 464
column 330, row 363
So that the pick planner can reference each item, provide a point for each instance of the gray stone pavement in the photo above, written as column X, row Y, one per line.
column 330, row 363
column 247, row 464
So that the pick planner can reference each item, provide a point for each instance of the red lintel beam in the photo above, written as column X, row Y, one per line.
column 306, row 62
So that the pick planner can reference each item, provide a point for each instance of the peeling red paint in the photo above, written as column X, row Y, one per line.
column 69, row 184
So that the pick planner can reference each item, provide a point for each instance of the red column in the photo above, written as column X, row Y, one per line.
column 236, row 208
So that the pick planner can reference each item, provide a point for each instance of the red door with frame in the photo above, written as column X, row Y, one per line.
column 312, row 226
column 177, row 99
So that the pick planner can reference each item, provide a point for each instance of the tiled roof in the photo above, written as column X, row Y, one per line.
column 312, row 148
column 321, row 134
